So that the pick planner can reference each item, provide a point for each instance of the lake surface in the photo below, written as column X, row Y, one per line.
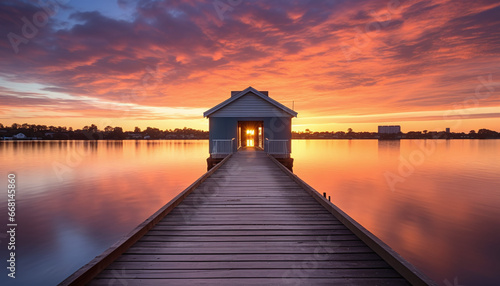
column 436, row 202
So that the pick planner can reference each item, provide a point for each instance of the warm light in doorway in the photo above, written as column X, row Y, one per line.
column 250, row 142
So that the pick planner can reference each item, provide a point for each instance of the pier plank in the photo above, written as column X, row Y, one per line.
column 256, row 281
column 205, row 265
column 171, row 237
column 248, row 273
column 299, row 257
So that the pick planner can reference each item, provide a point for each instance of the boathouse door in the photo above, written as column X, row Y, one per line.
column 251, row 134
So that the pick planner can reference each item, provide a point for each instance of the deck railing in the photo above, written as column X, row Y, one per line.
column 222, row 147
column 277, row 148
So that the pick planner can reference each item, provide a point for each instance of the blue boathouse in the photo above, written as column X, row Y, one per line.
column 250, row 119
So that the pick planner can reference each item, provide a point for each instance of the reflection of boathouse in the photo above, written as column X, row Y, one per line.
column 250, row 119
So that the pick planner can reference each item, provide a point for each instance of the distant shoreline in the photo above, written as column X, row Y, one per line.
column 43, row 132
column 204, row 139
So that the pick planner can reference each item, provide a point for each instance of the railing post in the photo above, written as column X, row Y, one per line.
column 278, row 147
column 222, row 147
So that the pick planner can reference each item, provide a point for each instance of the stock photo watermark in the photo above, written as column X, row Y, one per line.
column 210, row 189
column 222, row 7
column 120, row 277
column 482, row 91
column 150, row 81
column 74, row 157
column 301, row 271
column 363, row 36
column 33, row 23
column 456, row 115
column 11, row 224
column 455, row 282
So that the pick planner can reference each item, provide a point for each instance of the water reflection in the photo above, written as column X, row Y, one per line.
column 77, row 198
column 441, row 215
column 388, row 148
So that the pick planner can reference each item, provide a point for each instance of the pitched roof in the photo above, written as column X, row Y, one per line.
column 241, row 94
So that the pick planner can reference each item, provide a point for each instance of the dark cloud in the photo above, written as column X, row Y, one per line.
column 346, row 80
column 419, row 8
column 414, row 50
column 11, row 98
column 126, row 3
column 292, row 47
column 481, row 29
column 362, row 15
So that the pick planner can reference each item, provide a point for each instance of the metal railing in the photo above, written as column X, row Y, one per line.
column 277, row 148
column 222, row 147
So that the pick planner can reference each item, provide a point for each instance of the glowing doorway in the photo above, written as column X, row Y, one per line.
column 250, row 134
column 250, row 138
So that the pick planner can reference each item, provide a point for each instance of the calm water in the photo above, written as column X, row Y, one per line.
column 435, row 202
column 78, row 198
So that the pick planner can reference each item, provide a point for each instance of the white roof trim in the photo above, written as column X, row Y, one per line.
column 242, row 93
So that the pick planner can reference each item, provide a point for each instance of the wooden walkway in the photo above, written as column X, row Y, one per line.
column 249, row 223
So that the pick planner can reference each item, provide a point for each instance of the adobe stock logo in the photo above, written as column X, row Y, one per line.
column 221, row 8
column 39, row 19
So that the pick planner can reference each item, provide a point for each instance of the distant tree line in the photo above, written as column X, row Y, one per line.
column 350, row 134
column 92, row 132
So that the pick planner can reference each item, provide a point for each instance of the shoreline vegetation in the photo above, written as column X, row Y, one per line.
column 92, row 132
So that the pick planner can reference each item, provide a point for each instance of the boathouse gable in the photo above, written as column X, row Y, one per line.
column 249, row 100
column 250, row 105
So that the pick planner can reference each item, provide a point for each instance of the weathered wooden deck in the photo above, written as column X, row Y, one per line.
column 251, row 223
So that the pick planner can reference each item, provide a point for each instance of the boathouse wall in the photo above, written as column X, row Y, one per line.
column 275, row 128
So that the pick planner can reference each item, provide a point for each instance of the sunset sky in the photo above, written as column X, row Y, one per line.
column 341, row 64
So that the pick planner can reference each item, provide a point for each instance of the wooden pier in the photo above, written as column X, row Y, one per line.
column 249, row 221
